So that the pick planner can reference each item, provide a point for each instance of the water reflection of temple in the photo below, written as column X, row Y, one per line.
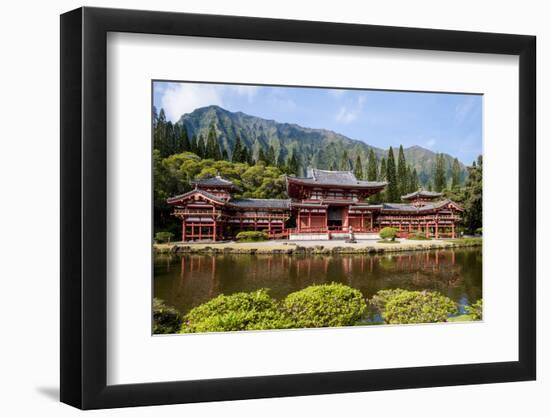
column 199, row 278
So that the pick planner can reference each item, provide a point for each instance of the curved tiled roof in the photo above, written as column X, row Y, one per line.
column 338, row 178
column 175, row 199
column 216, row 181
column 261, row 203
column 421, row 194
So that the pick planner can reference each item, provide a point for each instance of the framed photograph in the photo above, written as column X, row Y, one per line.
column 257, row 208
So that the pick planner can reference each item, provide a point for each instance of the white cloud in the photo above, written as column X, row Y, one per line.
column 463, row 109
column 180, row 98
column 429, row 144
column 350, row 112
column 249, row 91
column 336, row 93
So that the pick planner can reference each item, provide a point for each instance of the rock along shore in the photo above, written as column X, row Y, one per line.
column 310, row 247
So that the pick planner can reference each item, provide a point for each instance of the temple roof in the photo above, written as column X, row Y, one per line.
column 216, row 181
column 177, row 198
column 261, row 203
column 421, row 194
column 337, row 178
column 389, row 207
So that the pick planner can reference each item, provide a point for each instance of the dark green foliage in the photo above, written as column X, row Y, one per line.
column 166, row 319
column 270, row 156
column 392, row 189
column 473, row 198
column 479, row 231
column 237, row 155
column 402, row 176
column 440, row 173
column 293, row 166
column 358, row 169
column 476, row 310
column 388, row 233
column 344, row 161
column 408, row 307
column 372, row 169
column 163, row 237
column 251, row 236
column 413, row 181
column 212, row 147
column 240, row 311
column 326, row 305
column 455, row 175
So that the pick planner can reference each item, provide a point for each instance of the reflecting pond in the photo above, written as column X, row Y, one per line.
column 189, row 280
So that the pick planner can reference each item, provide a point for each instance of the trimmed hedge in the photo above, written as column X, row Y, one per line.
column 240, row 311
column 476, row 310
column 252, row 236
column 418, row 236
column 328, row 305
column 388, row 233
column 163, row 237
column 166, row 319
column 418, row 307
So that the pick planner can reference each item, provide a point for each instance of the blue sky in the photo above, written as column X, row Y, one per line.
column 450, row 123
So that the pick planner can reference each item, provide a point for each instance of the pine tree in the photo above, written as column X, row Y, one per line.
column 382, row 172
column 440, row 178
column 281, row 160
column 194, row 145
column 402, row 178
column 182, row 140
column 344, row 161
column 225, row 155
column 293, row 165
column 333, row 167
column 372, row 169
column 237, row 151
column 261, row 156
column 201, row 147
column 270, row 155
column 212, row 147
column 358, row 171
column 413, row 181
column 392, row 191
column 245, row 156
column 455, row 174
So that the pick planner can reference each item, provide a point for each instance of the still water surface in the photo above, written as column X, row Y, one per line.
column 189, row 280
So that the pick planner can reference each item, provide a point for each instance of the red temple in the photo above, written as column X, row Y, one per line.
column 324, row 205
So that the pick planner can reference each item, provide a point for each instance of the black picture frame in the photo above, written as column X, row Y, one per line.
column 84, row 207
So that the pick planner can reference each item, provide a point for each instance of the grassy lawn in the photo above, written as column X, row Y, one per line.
column 462, row 317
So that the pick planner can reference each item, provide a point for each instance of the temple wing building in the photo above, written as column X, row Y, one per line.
column 321, row 206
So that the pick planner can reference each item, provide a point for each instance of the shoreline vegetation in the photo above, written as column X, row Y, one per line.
column 311, row 247
column 316, row 306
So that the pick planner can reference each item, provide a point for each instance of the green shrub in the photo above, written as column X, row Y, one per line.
column 378, row 301
column 163, row 237
column 479, row 231
column 476, row 310
column 418, row 307
column 252, row 236
column 166, row 319
column 418, row 236
column 388, row 233
column 326, row 305
column 240, row 311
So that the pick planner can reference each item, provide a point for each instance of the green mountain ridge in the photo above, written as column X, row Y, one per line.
column 320, row 148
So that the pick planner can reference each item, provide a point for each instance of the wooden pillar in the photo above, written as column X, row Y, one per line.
column 371, row 216
column 299, row 219
column 183, row 230
column 214, row 232
column 436, row 229
column 452, row 230
column 427, row 230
